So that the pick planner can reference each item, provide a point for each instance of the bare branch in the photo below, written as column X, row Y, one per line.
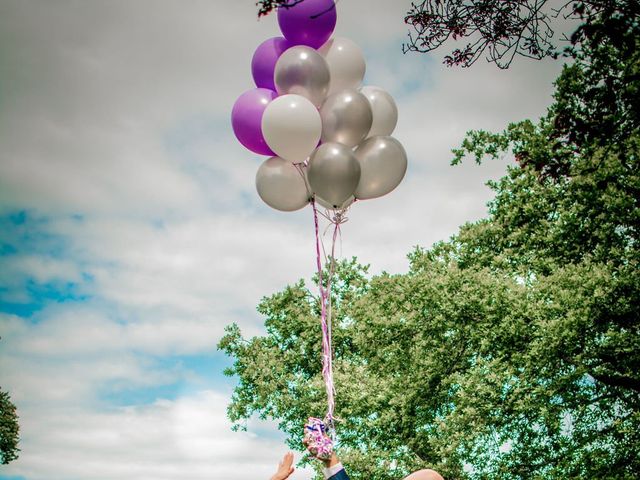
column 501, row 28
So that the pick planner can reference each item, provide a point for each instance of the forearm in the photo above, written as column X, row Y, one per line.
column 334, row 469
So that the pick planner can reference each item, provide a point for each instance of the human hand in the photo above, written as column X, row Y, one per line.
column 318, row 443
column 328, row 462
column 285, row 467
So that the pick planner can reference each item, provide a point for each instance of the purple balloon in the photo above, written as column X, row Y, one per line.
column 246, row 119
column 310, row 22
column 264, row 61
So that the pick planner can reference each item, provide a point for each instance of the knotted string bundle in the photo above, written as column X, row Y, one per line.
column 338, row 217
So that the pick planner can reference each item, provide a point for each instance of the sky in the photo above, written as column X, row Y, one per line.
column 131, row 232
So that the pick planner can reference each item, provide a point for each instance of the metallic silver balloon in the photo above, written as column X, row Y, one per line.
column 385, row 111
column 281, row 185
column 323, row 203
column 383, row 161
column 346, row 117
column 303, row 71
column 333, row 173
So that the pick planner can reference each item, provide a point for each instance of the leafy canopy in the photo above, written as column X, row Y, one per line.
column 9, row 429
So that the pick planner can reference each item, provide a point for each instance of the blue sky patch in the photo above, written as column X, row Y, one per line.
column 24, row 237
column 412, row 74
column 41, row 295
column 26, row 232
column 195, row 373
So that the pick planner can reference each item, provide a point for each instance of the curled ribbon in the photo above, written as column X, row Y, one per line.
column 316, row 438
column 325, row 316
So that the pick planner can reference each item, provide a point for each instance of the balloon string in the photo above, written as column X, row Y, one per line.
column 300, row 168
column 325, row 321
column 332, row 269
column 336, row 219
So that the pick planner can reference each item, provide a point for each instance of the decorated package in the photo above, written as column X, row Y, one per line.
column 317, row 440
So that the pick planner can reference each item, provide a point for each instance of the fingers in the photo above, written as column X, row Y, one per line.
column 285, row 467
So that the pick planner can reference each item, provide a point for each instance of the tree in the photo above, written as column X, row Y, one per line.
column 267, row 6
column 510, row 351
column 598, row 96
column 504, row 29
column 9, row 429
column 471, row 369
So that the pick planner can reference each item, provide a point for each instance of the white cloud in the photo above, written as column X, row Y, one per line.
column 90, row 88
column 204, row 267
column 69, row 359
column 186, row 438
column 42, row 269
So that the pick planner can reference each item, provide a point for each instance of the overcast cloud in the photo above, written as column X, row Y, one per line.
column 131, row 233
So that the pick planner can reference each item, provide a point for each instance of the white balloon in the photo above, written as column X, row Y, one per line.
column 385, row 111
column 291, row 126
column 346, row 63
column 281, row 185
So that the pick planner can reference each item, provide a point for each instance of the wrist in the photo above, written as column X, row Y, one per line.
column 331, row 461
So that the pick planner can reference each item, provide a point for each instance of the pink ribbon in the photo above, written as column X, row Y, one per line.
column 337, row 218
column 325, row 320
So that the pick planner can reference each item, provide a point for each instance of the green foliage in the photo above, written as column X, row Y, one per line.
column 446, row 366
column 9, row 429
column 511, row 350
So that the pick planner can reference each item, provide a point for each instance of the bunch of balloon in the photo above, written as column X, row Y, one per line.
column 328, row 137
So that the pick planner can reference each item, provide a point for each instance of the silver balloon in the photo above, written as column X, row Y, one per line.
column 303, row 71
column 383, row 161
column 323, row 203
column 281, row 185
column 385, row 111
column 333, row 173
column 346, row 117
